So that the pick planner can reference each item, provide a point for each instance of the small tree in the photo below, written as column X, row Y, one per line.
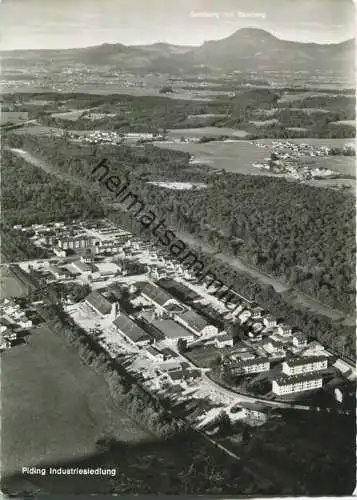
column 182, row 345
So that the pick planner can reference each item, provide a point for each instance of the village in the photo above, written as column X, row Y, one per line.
column 175, row 335
column 297, row 160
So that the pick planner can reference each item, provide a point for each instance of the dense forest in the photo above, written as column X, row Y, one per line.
column 292, row 231
column 30, row 196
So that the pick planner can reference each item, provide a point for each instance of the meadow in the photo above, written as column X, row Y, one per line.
column 10, row 286
column 236, row 156
column 54, row 407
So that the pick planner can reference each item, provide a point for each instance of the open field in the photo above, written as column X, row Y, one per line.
column 236, row 156
column 206, row 131
column 10, row 286
column 300, row 95
column 345, row 122
column 72, row 115
column 54, row 407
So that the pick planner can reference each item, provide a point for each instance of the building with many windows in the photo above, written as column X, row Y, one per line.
column 297, row 383
column 246, row 366
column 297, row 366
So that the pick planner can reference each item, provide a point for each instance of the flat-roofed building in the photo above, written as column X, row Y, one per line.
column 283, row 385
column 296, row 366
column 131, row 331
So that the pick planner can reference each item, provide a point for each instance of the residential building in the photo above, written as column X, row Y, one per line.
column 269, row 321
column 284, row 329
column 224, row 341
column 257, row 312
column 283, row 385
column 247, row 366
column 131, row 331
column 299, row 339
column 307, row 364
column 76, row 242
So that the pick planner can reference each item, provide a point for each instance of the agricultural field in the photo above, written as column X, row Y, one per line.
column 298, row 96
column 10, row 286
column 54, row 407
column 206, row 131
column 71, row 115
column 237, row 156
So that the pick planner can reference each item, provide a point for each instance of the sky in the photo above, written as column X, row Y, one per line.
column 39, row 24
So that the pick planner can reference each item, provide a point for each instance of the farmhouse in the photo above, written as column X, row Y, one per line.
column 131, row 331
column 296, row 366
column 296, row 383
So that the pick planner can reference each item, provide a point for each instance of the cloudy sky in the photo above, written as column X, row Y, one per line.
column 78, row 23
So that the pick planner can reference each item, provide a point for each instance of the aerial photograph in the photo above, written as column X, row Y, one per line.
column 178, row 303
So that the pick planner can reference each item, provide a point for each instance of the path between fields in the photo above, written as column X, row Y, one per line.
column 299, row 299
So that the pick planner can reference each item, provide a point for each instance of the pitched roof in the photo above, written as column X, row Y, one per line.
column 223, row 338
column 248, row 362
column 171, row 329
column 130, row 328
column 156, row 294
column 194, row 320
column 98, row 302
column 305, row 360
column 286, row 380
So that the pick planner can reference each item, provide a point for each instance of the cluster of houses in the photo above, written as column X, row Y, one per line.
column 287, row 157
column 113, row 138
column 13, row 322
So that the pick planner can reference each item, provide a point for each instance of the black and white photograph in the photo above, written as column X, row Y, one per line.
column 177, row 308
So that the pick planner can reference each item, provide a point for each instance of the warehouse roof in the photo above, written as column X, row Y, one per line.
column 129, row 328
